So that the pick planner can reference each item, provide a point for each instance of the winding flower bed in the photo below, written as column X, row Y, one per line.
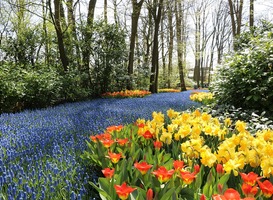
column 40, row 149
column 183, row 155
column 126, row 94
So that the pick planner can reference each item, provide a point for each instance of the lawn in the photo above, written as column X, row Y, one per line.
column 39, row 152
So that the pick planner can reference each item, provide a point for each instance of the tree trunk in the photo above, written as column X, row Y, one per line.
column 157, row 11
column 197, row 48
column 163, row 52
column 251, row 15
column 179, row 27
column 134, row 25
column 88, row 34
column 236, row 18
column 171, row 38
column 60, row 36
column 73, row 40
column 105, row 11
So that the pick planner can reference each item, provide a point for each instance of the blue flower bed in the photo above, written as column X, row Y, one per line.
column 40, row 149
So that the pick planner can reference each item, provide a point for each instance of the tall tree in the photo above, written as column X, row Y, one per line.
column 179, row 13
column 236, row 10
column 134, row 25
column 163, row 45
column 57, row 19
column 156, row 11
column 171, row 41
column 105, row 11
column 251, row 14
column 87, row 35
column 197, row 64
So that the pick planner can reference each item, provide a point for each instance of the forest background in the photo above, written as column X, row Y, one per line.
column 61, row 51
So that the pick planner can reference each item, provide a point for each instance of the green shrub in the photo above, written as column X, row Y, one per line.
column 246, row 78
column 24, row 87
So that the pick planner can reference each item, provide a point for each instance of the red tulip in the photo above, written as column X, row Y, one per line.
column 220, row 169
column 232, row 194
column 196, row 169
column 115, row 157
column 178, row 165
column 158, row 144
column 150, row 194
column 147, row 135
column 250, row 178
column 107, row 143
column 163, row 174
column 108, row 173
column 143, row 167
column 123, row 190
column 248, row 190
column 266, row 187
column 122, row 142
column 218, row 197
column 202, row 197
column 187, row 177
column 110, row 129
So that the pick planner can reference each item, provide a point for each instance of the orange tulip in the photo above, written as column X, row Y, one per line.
column 147, row 135
column 143, row 167
column 115, row 157
column 187, row 177
column 107, row 143
column 220, row 169
column 178, row 165
column 248, row 190
column 250, row 178
column 266, row 187
column 149, row 194
column 158, row 144
column 163, row 174
column 232, row 194
column 123, row 190
column 202, row 197
column 122, row 142
column 110, row 129
column 108, row 173
column 218, row 197
column 196, row 169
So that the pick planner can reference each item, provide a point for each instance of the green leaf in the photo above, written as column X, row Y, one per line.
column 103, row 193
column 167, row 195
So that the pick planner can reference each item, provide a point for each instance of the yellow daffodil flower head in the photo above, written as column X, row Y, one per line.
column 253, row 158
column 208, row 158
column 240, row 126
column 205, row 117
column 158, row 117
column 166, row 138
column 227, row 122
column 172, row 114
column 231, row 165
column 267, row 167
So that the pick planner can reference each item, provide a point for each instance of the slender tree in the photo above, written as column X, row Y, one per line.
column 236, row 11
column 134, row 25
column 57, row 19
column 251, row 14
column 88, row 34
column 156, row 11
column 179, row 13
column 105, row 11
column 171, row 41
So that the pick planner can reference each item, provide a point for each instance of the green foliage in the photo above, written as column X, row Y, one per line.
column 108, row 69
column 37, row 87
column 246, row 79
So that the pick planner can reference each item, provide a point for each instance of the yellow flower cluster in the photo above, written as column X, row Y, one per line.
column 205, row 139
column 126, row 94
column 168, row 90
column 202, row 97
